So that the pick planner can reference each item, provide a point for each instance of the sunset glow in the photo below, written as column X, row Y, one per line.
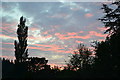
column 54, row 29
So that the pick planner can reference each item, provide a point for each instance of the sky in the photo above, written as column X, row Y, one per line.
column 54, row 28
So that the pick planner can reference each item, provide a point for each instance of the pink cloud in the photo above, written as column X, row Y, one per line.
column 11, row 24
column 46, row 32
column 58, row 15
column 32, row 29
column 81, row 31
column 7, row 49
column 8, row 30
column 72, row 33
column 8, row 57
column 76, row 36
column 7, row 37
column 50, row 30
column 88, row 15
column 50, row 46
column 8, row 43
column 75, row 9
column 48, row 36
column 9, row 27
column 66, row 36
column 79, row 41
column 38, row 38
column 55, row 26
column 97, row 34
column 54, row 49
column 101, row 39
column 102, row 28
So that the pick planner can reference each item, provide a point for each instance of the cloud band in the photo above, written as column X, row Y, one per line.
column 58, row 0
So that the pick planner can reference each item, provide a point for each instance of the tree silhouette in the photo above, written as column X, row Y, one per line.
column 81, row 58
column 103, row 56
column 111, row 19
column 7, row 68
column 37, row 64
column 108, row 51
column 21, row 51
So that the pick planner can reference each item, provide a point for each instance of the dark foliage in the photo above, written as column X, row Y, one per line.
column 111, row 19
column 81, row 59
column 80, row 66
column 108, row 51
column 21, row 51
column 24, row 67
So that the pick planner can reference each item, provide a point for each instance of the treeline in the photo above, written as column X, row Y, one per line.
column 82, row 64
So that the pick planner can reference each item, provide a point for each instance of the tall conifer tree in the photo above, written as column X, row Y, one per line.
column 21, row 51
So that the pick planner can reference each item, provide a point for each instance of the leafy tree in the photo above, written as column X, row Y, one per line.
column 81, row 58
column 21, row 51
column 108, row 51
column 103, row 56
column 37, row 64
column 111, row 19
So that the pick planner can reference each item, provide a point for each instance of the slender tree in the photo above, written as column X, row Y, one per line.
column 21, row 51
